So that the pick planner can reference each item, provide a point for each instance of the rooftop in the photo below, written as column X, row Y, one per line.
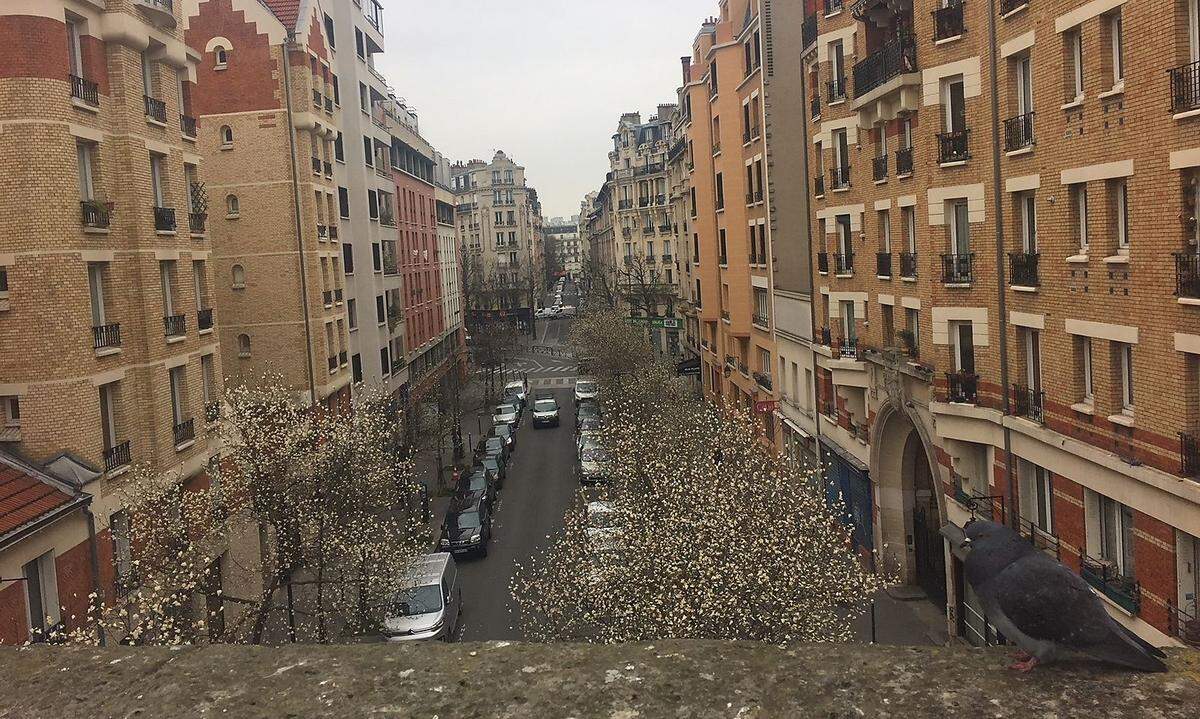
column 667, row 679
column 28, row 495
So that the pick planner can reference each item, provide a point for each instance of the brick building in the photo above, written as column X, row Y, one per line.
column 108, row 351
column 265, row 98
column 1003, row 328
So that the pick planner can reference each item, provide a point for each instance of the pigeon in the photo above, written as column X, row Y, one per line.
column 1044, row 607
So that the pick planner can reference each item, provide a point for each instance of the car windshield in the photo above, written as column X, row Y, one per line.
column 495, row 443
column 426, row 599
column 515, row 386
column 506, row 409
column 477, row 482
column 545, row 405
column 501, row 430
column 468, row 519
column 491, row 463
column 585, row 386
column 593, row 454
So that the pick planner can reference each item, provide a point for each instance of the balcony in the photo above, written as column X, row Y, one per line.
column 844, row 263
column 839, row 178
column 155, row 109
column 848, row 349
column 823, row 262
column 883, row 264
column 667, row 259
column 904, row 162
column 204, row 319
column 716, row 148
column 643, row 202
column 624, row 204
column 1187, row 274
column 835, row 90
column 956, row 269
column 762, row 379
column 95, row 214
column 953, row 146
column 188, row 125
column 212, row 412
column 184, row 432
column 1018, row 132
column 106, row 336
column 948, row 21
column 815, row 106
column 819, row 186
column 117, row 456
column 908, row 265
column 164, row 219
column 197, row 222
column 660, row 199
column 1185, row 87
column 879, row 168
column 1009, row 6
column 808, row 31
column 85, row 91
column 175, row 325
column 1023, row 269
column 1106, row 578
column 1189, row 455
column 1029, row 403
column 896, row 57
column 962, row 387
column 832, row 6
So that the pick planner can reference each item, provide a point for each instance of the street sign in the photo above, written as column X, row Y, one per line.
column 765, row 406
column 662, row 323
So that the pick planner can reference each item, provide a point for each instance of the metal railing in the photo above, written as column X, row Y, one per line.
column 839, row 177
column 1189, row 455
column 338, row 295
column 164, row 219
column 883, row 264
column 1007, row 6
column 896, row 57
column 954, row 146
column 94, row 214
column 843, row 263
column 815, row 105
column 155, row 109
column 185, row 431
column 85, row 90
column 188, row 125
column 823, row 262
column 1187, row 274
column 212, row 412
column 1029, row 402
column 1106, row 577
column 117, row 456
column 1185, row 87
column 197, row 222
column 962, row 387
column 762, row 379
column 948, row 21
column 175, row 325
column 105, row 336
column 322, row 231
column 908, row 264
column 204, row 319
column 1018, row 132
column 879, row 168
column 832, row 6
column 836, row 90
column 1023, row 269
column 847, row 348
column 818, row 186
column 956, row 269
column 1183, row 625
column 904, row 162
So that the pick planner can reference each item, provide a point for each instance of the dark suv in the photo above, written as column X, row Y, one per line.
column 467, row 527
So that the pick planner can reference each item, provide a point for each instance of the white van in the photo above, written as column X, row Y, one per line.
column 430, row 605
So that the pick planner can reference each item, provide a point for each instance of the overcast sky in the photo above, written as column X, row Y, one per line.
column 544, row 80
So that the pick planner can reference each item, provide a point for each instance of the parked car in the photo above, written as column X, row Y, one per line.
column 520, row 388
column 498, row 465
column 593, row 465
column 545, row 413
column 599, row 514
column 586, row 410
column 568, row 311
column 586, row 389
column 507, row 413
column 543, row 313
column 590, row 424
column 429, row 606
column 494, row 446
column 467, row 527
column 505, row 432
column 586, row 438
column 480, row 483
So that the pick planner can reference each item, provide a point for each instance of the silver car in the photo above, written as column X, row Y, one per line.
column 586, row 390
column 430, row 605
column 507, row 414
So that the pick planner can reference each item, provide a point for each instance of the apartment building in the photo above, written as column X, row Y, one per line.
column 1006, row 270
column 724, row 96
column 499, row 230
column 109, row 354
column 686, row 242
column 269, row 128
column 564, row 253
column 449, row 265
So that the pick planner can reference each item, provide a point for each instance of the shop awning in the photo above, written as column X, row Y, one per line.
column 688, row 367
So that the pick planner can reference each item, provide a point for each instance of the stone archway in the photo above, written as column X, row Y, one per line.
column 910, row 506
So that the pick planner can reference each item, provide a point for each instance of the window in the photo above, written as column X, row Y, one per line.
column 380, row 309
column 1024, row 68
column 1118, row 50
column 956, row 105
column 166, row 275
column 329, row 31
column 1033, row 358
column 157, row 180
column 1027, row 207
column 385, row 364
column 96, row 289
column 85, row 155
column 888, row 313
column 1121, row 212
column 74, row 54
column 841, row 151
column 376, row 257
column 348, row 258
column 837, row 57
column 912, row 325
column 147, row 75
column 845, row 237
column 1125, row 362
column 356, row 367
column 352, row 313
column 910, row 228
column 239, row 277
column 885, row 231
column 962, row 335
column 226, row 136
column 1079, row 208
column 359, row 46
column 11, row 409
column 232, row 206
column 849, row 325
column 243, row 342
column 368, row 152
column 1110, row 531
column 1074, row 40
column 208, row 380
column 960, row 229
column 724, row 247
column 1036, row 495
column 373, row 204
column 1085, row 365
column 108, row 414
column 712, row 78
column 178, row 402
column 720, row 191
column 221, row 56
column 41, row 592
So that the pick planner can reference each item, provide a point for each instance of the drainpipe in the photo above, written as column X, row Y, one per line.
column 94, row 557
column 812, row 282
column 1001, row 298
column 308, row 340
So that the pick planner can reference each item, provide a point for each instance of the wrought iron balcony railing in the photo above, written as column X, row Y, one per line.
column 908, row 264
column 1106, row 577
column 95, row 214
column 844, row 263
column 815, row 106
column 1187, row 274
column 197, row 222
column 184, row 431
column 188, row 125
column 117, row 456
column 904, row 162
column 175, row 325
column 85, row 90
column 948, row 21
column 204, row 319
column 840, row 177
column 1029, row 402
column 155, row 109
column 1007, row 6
column 896, row 57
column 164, row 219
column 106, row 336
column 835, row 90
column 1023, row 269
column 954, row 146
column 956, row 269
column 962, row 387
column 1185, row 87
column 1018, row 132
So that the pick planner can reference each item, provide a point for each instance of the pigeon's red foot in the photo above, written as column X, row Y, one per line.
column 1025, row 666
column 1021, row 655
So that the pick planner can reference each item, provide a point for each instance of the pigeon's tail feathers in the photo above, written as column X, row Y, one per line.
column 1127, row 649
column 1145, row 645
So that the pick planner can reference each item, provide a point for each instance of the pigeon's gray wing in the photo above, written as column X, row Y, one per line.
column 1049, row 602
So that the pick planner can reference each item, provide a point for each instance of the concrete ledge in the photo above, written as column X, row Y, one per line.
column 667, row 679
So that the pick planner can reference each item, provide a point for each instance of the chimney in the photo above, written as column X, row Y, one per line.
column 686, row 61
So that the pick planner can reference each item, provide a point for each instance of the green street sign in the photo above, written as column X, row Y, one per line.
column 662, row 323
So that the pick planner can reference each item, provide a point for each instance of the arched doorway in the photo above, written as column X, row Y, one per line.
column 910, row 515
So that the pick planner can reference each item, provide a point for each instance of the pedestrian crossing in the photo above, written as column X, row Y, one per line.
column 551, row 382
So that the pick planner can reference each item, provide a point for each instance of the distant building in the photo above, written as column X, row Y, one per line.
column 564, row 247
